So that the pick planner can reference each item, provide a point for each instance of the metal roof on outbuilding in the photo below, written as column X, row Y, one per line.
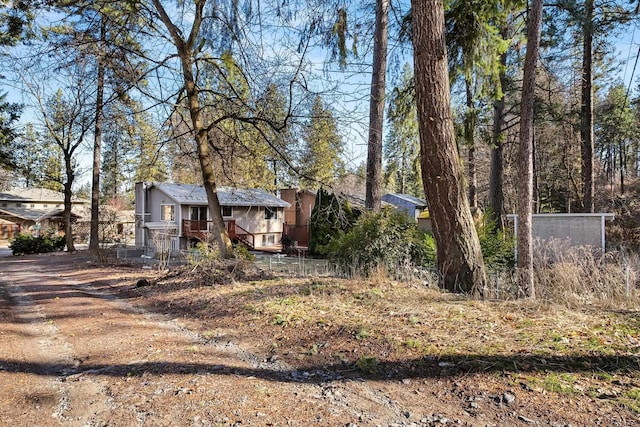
column 420, row 203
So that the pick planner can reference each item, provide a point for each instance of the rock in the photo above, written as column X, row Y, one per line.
column 508, row 398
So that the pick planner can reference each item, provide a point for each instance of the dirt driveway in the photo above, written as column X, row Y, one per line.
column 78, row 349
column 75, row 352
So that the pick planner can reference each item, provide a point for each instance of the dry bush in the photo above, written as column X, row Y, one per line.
column 580, row 276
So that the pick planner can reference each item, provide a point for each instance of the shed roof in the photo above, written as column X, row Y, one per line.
column 421, row 203
column 228, row 196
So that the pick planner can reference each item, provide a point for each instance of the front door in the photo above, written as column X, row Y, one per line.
column 198, row 217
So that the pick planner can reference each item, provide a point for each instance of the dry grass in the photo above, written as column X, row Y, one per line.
column 580, row 277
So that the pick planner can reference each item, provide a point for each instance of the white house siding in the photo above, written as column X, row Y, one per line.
column 252, row 218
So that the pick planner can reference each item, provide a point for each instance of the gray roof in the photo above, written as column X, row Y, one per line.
column 421, row 203
column 35, row 195
column 34, row 215
column 228, row 196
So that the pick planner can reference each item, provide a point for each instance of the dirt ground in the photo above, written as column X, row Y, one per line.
column 82, row 345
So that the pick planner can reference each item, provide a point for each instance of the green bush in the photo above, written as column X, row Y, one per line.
column 388, row 240
column 331, row 218
column 497, row 245
column 25, row 244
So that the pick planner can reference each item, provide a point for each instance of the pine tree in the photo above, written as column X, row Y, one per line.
column 402, row 147
column 373, row 193
column 459, row 256
column 525, row 152
column 321, row 161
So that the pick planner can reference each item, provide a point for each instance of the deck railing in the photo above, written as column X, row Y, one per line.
column 202, row 229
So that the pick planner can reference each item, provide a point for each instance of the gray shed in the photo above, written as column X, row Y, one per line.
column 412, row 205
column 575, row 229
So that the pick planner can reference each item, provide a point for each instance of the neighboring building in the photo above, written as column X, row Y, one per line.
column 297, row 216
column 34, row 210
column 180, row 213
column 413, row 206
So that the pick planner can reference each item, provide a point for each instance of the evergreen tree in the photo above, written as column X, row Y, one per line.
column 459, row 255
column 402, row 148
column 9, row 115
column 38, row 160
column 321, row 161
column 99, row 32
column 331, row 217
column 149, row 160
column 525, row 152
column 616, row 136
column 475, row 45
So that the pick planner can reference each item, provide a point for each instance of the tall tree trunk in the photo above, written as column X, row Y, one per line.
column 635, row 158
column 586, row 109
column 525, row 151
column 68, row 194
column 206, row 165
column 459, row 255
column 469, row 133
column 373, row 195
column 496, row 177
column 403, row 174
column 94, row 238
column 623, row 165
column 184, row 50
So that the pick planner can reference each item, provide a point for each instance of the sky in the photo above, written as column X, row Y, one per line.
column 352, row 105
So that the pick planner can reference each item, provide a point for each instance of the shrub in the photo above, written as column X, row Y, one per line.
column 497, row 245
column 331, row 218
column 386, row 240
column 25, row 244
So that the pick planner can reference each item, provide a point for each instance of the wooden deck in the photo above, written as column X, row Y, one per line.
column 202, row 230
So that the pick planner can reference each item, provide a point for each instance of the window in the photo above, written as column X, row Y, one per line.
column 227, row 211
column 270, row 213
column 167, row 212
column 198, row 213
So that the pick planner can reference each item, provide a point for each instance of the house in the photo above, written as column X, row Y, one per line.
column 34, row 210
column 412, row 205
column 180, row 214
